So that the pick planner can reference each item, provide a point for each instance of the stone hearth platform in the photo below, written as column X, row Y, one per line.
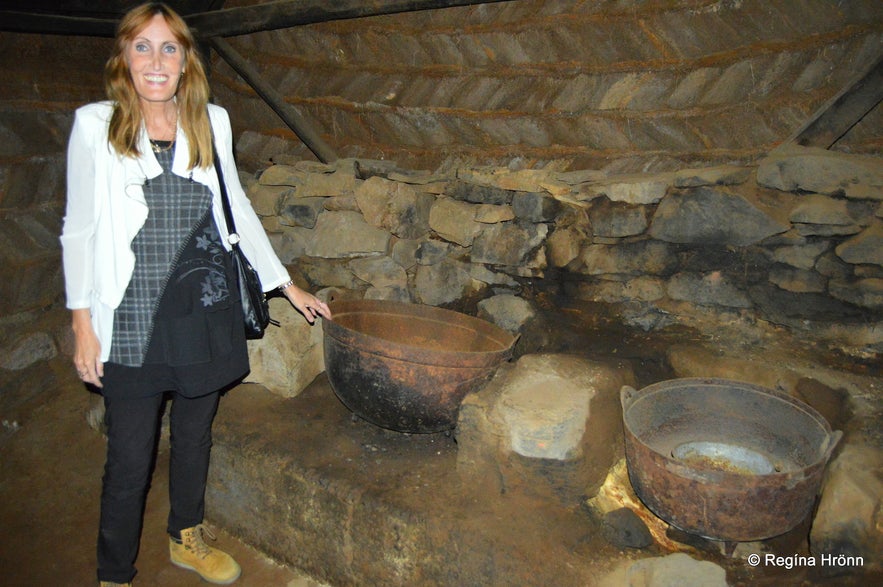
column 353, row 504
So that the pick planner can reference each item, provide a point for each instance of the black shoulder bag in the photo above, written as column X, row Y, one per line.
column 254, row 301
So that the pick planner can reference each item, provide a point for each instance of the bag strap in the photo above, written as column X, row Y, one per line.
column 233, row 236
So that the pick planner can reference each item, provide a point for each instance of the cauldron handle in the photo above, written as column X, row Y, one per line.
column 831, row 442
column 627, row 396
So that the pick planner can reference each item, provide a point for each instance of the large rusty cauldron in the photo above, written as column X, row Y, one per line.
column 407, row 367
column 723, row 459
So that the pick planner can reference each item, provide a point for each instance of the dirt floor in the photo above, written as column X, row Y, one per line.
column 51, row 464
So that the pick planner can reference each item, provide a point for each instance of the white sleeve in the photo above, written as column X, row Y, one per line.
column 77, row 236
column 255, row 243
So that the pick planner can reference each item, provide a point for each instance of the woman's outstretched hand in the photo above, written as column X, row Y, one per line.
column 306, row 303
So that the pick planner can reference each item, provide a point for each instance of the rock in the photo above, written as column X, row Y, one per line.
column 696, row 361
column 832, row 404
column 617, row 492
column 23, row 351
column 395, row 207
column 797, row 280
column 616, row 219
column 281, row 175
column 287, row 358
column 642, row 257
column 265, row 199
column 430, row 252
column 535, row 207
column 404, row 252
column 641, row 289
column 822, row 171
column 329, row 273
column 827, row 230
column 518, row 316
column 507, row 311
column 493, row 214
column 517, row 180
column 442, row 283
column 454, row 221
column 725, row 175
column 712, row 216
column 623, row 528
column 342, row 203
column 867, row 293
column 309, row 182
column 711, row 289
column 380, row 272
column 345, row 234
column 546, row 425
column 393, row 293
column 780, row 305
column 564, row 245
column 485, row 275
column 302, row 212
column 865, row 247
column 508, row 244
column 849, row 515
column 802, row 256
column 674, row 570
column 479, row 194
column 645, row 189
column 819, row 209
column 832, row 266
column 579, row 176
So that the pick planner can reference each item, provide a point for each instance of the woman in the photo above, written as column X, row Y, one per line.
column 155, row 304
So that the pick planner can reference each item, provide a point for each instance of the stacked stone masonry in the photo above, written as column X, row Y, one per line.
column 795, row 241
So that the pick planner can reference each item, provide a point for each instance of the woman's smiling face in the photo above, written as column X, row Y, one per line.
column 156, row 61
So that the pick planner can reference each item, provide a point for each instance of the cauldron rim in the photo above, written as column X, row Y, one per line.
column 336, row 328
column 660, row 387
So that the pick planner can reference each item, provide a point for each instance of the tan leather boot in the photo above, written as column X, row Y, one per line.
column 192, row 553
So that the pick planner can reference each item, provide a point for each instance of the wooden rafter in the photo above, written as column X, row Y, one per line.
column 232, row 22
column 288, row 113
column 843, row 111
column 288, row 13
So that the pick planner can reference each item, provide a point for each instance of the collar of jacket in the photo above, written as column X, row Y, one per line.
column 146, row 167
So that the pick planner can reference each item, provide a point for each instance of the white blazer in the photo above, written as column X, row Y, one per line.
column 106, row 209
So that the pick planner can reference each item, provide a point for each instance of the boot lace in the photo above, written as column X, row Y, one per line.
column 197, row 544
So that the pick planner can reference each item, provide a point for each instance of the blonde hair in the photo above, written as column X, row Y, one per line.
column 192, row 94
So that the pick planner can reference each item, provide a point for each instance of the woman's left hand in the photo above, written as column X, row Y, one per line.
column 306, row 303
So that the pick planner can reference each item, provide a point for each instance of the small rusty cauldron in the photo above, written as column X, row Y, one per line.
column 726, row 460
column 407, row 367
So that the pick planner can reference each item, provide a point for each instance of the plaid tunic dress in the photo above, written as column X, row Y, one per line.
column 179, row 326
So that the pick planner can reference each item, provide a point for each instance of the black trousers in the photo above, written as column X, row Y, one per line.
column 132, row 435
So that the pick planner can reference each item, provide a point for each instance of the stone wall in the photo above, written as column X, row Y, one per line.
column 45, row 78
column 626, row 87
column 793, row 242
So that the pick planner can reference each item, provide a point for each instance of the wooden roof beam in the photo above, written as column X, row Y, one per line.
column 56, row 24
column 282, row 14
column 843, row 111
column 231, row 22
column 288, row 113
